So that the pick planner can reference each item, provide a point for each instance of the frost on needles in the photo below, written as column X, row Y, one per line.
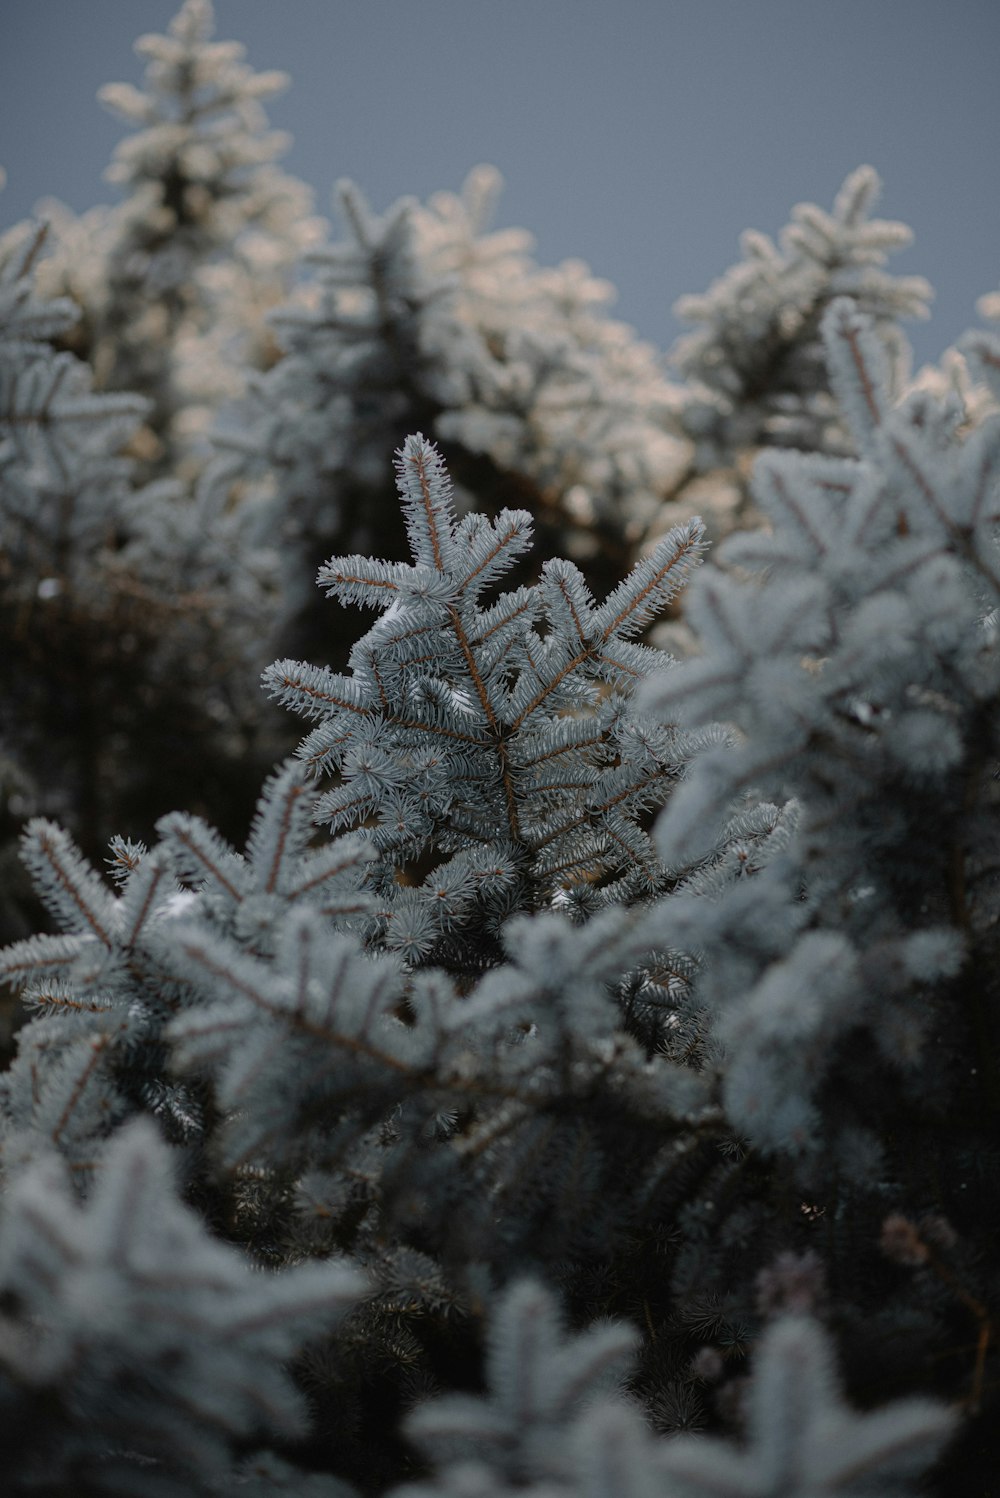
column 755, row 367
column 136, row 1350
column 133, row 610
column 469, row 1033
column 853, row 645
column 423, row 318
column 554, row 1423
column 491, row 741
column 557, row 1085
column 174, row 281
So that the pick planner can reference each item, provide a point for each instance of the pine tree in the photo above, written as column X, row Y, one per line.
column 120, row 334
column 584, row 1082
column 490, row 741
column 93, row 1409
column 755, row 370
column 109, row 653
column 853, row 646
column 282, row 1019
column 421, row 319
column 175, row 281
column 551, row 1423
column 438, row 1079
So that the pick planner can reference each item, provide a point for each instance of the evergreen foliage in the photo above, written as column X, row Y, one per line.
column 755, row 369
column 135, row 610
column 92, row 1408
column 552, row 1424
column 491, row 741
column 585, row 1081
column 174, row 282
column 422, row 319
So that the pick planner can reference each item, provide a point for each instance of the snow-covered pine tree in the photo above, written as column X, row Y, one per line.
column 282, row 1021
column 490, row 741
column 981, row 349
column 421, row 319
column 493, row 1041
column 109, row 652
column 63, row 491
column 334, row 1086
column 141, row 608
column 754, row 371
column 139, row 1354
column 854, row 648
column 175, row 281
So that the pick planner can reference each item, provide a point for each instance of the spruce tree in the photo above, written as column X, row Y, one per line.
column 584, row 1082
column 174, row 282
column 428, row 1044
column 125, row 689
column 423, row 319
column 754, row 369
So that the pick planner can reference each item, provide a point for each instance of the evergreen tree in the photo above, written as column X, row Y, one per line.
column 853, row 646
column 174, row 282
column 585, row 1082
column 140, row 606
column 93, row 1409
column 438, row 1074
column 108, row 652
column 755, row 373
column 422, row 319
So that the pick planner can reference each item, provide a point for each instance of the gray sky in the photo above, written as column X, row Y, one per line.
column 641, row 136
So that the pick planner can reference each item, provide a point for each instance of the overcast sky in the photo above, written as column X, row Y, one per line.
column 639, row 135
